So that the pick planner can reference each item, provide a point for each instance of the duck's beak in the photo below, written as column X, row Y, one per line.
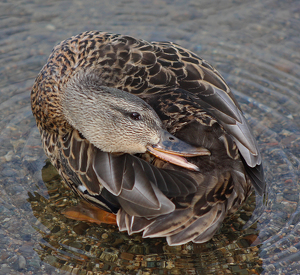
column 173, row 150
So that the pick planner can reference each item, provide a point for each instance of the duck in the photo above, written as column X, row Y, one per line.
column 147, row 131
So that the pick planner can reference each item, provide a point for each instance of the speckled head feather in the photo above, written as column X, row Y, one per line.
column 90, row 76
column 103, row 116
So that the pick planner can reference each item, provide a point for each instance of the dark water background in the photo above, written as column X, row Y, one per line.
column 255, row 46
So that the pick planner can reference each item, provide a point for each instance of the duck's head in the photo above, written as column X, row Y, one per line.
column 118, row 122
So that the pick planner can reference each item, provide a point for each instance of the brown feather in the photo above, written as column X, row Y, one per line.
column 193, row 102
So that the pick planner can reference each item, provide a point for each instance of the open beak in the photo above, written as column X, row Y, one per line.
column 173, row 150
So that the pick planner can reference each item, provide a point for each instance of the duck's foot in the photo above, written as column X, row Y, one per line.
column 89, row 213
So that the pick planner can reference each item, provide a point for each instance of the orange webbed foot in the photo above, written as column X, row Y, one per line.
column 87, row 212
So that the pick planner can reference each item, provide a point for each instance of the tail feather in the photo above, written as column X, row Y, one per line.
column 202, row 224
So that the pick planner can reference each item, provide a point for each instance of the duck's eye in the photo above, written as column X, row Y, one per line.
column 135, row 116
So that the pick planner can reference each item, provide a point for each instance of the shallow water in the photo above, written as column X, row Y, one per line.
column 255, row 46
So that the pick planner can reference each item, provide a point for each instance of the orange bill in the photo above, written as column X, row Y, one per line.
column 173, row 150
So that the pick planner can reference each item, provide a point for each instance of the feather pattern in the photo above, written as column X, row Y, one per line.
column 193, row 102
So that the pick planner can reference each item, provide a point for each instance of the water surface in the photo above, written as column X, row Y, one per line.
column 255, row 46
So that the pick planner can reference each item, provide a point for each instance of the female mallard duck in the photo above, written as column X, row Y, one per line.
column 117, row 116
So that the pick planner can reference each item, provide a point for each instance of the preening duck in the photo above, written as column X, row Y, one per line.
column 148, row 131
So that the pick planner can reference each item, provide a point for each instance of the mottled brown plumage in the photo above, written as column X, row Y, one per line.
column 194, row 104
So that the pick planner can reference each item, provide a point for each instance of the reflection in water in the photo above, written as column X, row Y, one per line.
column 74, row 245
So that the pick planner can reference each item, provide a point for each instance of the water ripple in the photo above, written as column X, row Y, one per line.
column 255, row 46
